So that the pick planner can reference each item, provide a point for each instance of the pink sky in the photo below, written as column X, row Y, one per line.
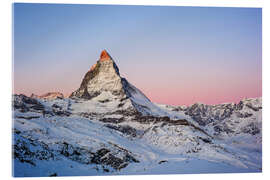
column 178, row 86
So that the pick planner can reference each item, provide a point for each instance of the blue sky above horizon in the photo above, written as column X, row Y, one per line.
column 175, row 55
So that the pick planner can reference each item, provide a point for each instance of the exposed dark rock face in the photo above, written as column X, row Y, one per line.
column 24, row 103
column 205, row 114
column 59, row 111
column 106, row 70
column 53, row 175
column 251, row 128
column 163, row 161
column 254, row 108
column 104, row 101
column 167, row 121
column 28, row 150
column 88, row 115
column 83, row 87
column 206, row 140
column 125, row 129
column 102, row 156
column 179, row 108
column 112, row 120
column 223, row 128
column 127, row 112
column 150, row 119
column 243, row 114
column 27, row 117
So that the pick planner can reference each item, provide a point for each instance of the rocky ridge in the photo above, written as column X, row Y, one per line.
column 48, row 96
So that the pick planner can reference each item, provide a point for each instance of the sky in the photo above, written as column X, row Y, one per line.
column 174, row 55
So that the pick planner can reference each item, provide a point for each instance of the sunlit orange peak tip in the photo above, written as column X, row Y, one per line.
column 104, row 56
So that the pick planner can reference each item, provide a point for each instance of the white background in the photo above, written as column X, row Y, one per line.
column 6, row 83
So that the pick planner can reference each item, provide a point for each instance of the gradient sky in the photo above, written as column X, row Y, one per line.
column 175, row 55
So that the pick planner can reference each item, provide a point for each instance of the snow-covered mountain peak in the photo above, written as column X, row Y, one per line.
column 104, row 78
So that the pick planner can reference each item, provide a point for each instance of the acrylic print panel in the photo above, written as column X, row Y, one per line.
column 120, row 90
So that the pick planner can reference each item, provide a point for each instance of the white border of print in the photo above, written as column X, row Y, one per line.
column 6, row 82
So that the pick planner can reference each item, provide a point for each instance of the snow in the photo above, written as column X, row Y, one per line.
column 160, row 149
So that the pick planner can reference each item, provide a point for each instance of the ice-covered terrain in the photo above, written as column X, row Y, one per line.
column 108, row 126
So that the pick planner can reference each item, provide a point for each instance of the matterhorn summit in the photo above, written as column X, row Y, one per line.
column 102, row 76
column 103, row 79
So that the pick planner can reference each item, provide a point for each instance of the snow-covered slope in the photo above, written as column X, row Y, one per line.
column 92, row 137
column 238, row 126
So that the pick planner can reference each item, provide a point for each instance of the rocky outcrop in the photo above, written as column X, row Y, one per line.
column 29, row 104
column 48, row 96
column 24, row 103
column 27, row 150
column 125, row 129
column 205, row 114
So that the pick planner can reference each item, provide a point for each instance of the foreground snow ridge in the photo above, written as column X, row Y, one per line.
column 109, row 127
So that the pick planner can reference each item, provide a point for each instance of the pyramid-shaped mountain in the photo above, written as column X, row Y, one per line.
column 104, row 76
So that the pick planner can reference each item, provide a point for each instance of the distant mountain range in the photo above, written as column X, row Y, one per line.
column 48, row 96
